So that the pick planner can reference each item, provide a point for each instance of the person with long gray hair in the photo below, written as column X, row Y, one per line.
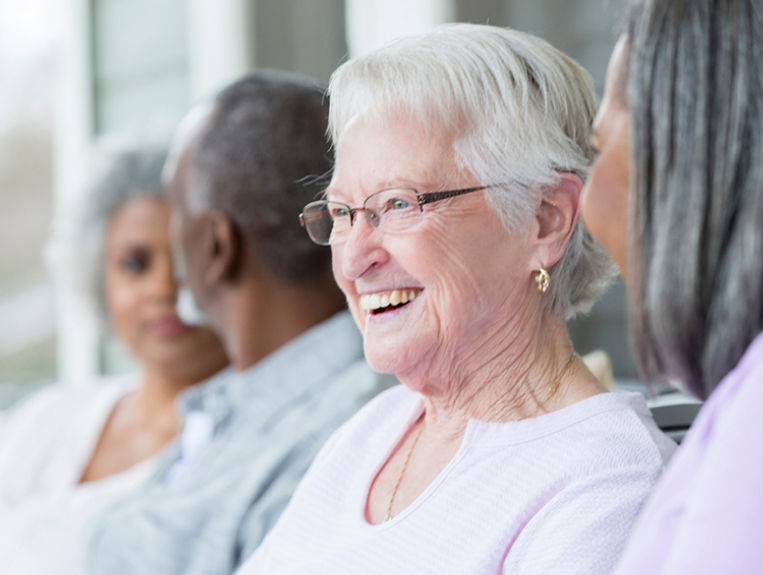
column 676, row 196
column 72, row 450
column 453, row 223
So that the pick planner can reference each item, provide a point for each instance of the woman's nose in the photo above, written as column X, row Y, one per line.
column 164, row 282
column 369, row 216
column 362, row 249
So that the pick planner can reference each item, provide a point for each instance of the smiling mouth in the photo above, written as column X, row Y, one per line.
column 384, row 301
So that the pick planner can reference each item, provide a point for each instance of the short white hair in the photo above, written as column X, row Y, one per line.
column 521, row 111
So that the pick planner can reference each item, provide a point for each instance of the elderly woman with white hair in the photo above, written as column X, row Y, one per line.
column 453, row 220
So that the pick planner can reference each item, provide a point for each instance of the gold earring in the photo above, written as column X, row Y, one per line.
column 543, row 279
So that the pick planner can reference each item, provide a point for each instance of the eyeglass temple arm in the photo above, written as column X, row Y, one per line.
column 430, row 197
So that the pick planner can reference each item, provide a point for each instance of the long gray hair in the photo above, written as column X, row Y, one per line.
column 696, row 231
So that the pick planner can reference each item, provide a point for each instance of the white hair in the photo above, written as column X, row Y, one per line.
column 521, row 111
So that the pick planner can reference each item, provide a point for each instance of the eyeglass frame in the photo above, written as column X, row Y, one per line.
column 422, row 199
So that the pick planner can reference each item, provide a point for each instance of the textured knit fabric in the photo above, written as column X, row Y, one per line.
column 706, row 513
column 553, row 494
column 212, row 503
column 45, row 446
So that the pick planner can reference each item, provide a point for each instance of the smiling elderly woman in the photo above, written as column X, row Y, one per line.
column 452, row 217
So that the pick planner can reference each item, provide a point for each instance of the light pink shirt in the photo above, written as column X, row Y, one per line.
column 706, row 514
column 554, row 494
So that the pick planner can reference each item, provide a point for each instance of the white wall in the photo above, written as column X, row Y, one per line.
column 373, row 23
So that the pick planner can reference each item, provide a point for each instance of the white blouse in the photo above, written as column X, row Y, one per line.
column 45, row 446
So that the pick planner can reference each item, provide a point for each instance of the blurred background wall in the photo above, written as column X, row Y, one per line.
column 76, row 73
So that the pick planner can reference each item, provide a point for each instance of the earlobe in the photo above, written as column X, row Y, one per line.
column 557, row 216
column 222, row 246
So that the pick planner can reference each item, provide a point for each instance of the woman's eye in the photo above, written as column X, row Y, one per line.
column 339, row 212
column 397, row 204
column 134, row 264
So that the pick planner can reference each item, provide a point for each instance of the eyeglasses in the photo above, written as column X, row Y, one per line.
column 393, row 210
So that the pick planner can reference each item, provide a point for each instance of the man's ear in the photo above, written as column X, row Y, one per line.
column 556, row 218
column 222, row 247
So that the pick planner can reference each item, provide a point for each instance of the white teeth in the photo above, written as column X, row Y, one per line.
column 384, row 299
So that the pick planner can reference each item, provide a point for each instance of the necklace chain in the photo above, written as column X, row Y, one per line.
column 555, row 385
column 551, row 392
column 388, row 516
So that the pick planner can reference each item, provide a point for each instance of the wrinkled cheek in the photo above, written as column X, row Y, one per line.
column 462, row 307
column 445, row 311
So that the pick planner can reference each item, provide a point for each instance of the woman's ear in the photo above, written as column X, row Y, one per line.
column 556, row 218
column 222, row 247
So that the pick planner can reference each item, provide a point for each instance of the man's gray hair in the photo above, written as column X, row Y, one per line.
column 695, row 91
column 521, row 111
column 260, row 159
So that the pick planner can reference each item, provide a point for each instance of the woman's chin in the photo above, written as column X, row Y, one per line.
column 398, row 361
column 384, row 359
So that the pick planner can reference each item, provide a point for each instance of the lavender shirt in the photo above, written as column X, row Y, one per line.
column 706, row 514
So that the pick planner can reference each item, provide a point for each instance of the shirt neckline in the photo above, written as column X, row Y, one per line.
column 491, row 433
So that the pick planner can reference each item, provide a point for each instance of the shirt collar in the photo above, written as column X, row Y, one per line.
column 279, row 378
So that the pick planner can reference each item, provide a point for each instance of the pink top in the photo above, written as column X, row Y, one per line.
column 561, row 489
column 706, row 514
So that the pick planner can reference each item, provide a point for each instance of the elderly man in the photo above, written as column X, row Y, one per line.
column 241, row 169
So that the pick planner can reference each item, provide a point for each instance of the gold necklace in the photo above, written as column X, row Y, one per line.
column 552, row 390
column 388, row 516
column 558, row 380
